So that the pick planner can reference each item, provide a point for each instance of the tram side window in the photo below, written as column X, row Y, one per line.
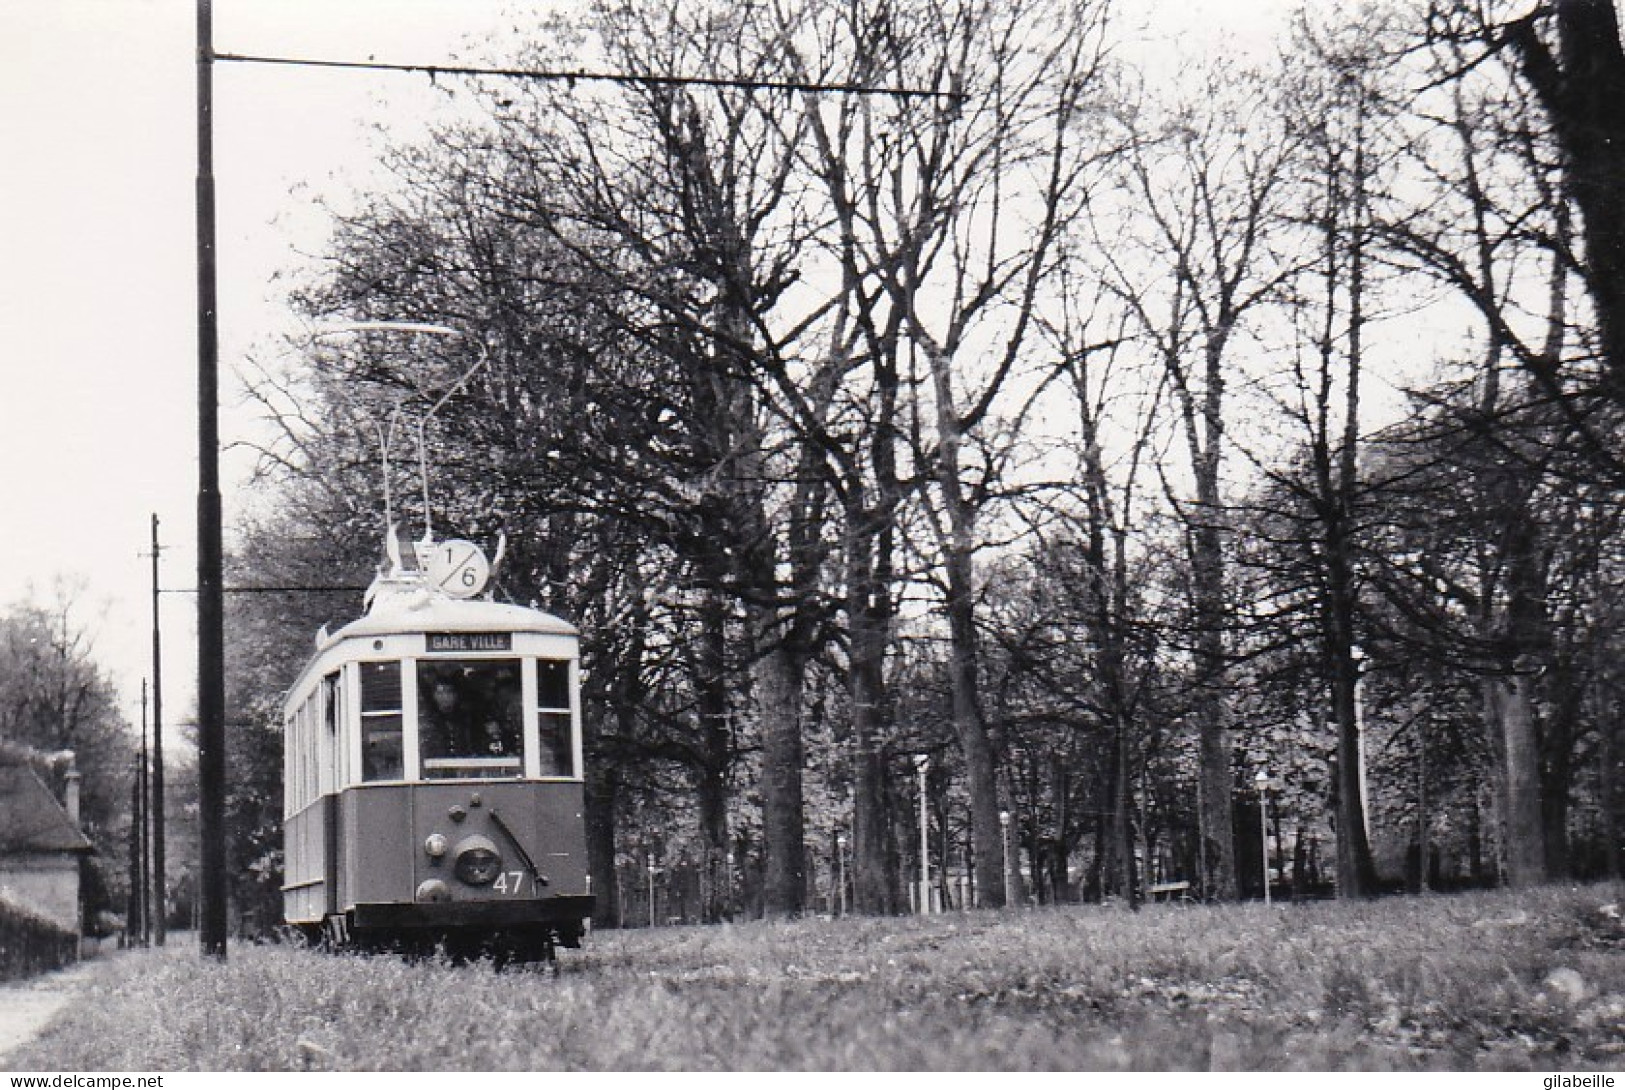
column 553, row 717
column 382, row 754
column 470, row 719
column 313, row 751
column 333, row 744
column 301, row 733
column 294, row 762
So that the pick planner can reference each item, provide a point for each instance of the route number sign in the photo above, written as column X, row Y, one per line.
column 458, row 568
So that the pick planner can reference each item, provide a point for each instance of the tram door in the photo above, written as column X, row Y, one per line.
column 334, row 759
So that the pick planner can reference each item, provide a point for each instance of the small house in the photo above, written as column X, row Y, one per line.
column 40, row 846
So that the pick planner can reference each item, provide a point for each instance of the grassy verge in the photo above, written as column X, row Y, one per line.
column 1489, row 981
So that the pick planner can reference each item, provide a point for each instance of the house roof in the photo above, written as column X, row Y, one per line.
column 31, row 818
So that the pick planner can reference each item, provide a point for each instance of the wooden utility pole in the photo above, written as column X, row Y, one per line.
column 211, row 687
column 159, row 886
column 143, row 813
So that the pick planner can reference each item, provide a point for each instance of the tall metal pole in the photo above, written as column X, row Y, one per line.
column 922, row 764
column 1012, row 890
column 1263, row 782
column 160, row 887
column 211, row 689
column 840, row 869
column 1264, row 813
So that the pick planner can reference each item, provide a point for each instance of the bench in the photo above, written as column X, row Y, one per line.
column 1169, row 891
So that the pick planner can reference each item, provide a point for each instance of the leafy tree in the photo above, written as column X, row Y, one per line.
column 55, row 698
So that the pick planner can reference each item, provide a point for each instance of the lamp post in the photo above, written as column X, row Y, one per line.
column 1012, row 891
column 840, row 869
column 922, row 764
column 1358, row 657
column 727, row 879
column 728, row 884
column 1262, row 782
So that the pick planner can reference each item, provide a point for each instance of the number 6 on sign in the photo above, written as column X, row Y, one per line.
column 458, row 568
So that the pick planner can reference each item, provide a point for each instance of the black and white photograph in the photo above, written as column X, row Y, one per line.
column 726, row 537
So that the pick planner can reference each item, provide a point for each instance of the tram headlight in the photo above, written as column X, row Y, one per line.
column 433, row 890
column 478, row 861
column 435, row 845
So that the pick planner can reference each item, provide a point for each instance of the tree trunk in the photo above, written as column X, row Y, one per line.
column 1607, row 785
column 1216, row 796
column 1356, row 873
column 1556, row 775
column 1128, row 886
column 872, row 889
column 1214, row 793
column 869, row 575
column 1581, row 89
column 1423, row 841
column 601, row 790
column 1508, row 708
column 779, row 678
column 981, row 763
column 716, row 755
column 1060, row 789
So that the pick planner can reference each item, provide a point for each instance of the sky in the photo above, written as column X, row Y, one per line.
column 98, row 409
column 98, row 403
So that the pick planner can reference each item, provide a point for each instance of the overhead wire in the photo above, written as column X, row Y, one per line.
column 586, row 76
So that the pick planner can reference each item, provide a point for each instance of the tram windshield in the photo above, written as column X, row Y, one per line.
column 470, row 719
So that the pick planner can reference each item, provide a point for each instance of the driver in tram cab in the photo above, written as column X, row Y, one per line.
column 440, row 719
column 448, row 727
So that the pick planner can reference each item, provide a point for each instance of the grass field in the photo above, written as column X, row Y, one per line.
column 1482, row 981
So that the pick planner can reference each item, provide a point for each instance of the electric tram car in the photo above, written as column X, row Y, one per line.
column 433, row 771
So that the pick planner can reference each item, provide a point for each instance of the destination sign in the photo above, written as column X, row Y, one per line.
column 470, row 641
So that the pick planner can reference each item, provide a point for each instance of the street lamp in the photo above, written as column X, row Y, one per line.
column 1012, row 888
column 840, row 869
column 728, row 882
column 1262, row 782
column 921, row 764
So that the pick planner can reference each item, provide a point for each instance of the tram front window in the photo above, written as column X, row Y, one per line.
column 470, row 720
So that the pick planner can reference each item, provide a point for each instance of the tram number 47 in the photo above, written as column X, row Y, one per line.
column 511, row 882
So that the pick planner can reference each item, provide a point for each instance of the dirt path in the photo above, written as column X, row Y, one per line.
column 27, row 1006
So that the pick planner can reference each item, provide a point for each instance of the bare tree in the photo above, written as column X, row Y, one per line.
column 1208, row 189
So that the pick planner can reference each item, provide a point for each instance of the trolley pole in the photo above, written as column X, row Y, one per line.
column 211, row 688
column 159, row 884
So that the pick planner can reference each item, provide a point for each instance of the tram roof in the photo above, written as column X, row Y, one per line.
column 431, row 612
column 405, row 606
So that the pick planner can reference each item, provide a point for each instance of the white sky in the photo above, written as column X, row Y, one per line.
column 98, row 401
column 97, row 292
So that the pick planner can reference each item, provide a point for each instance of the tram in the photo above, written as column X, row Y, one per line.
column 433, row 791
